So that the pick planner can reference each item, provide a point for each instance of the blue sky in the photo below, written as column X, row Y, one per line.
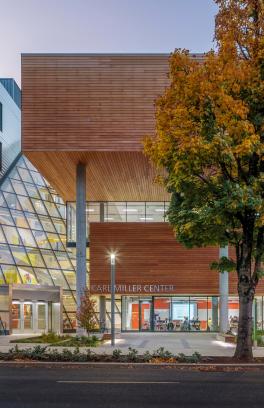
column 102, row 26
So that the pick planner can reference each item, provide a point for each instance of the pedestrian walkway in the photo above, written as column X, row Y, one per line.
column 187, row 343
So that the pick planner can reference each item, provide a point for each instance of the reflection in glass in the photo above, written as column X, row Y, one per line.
column 12, row 236
column 26, row 237
column 19, row 255
column 11, row 274
column 12, row 201
column 35, row 257
column 27, row 276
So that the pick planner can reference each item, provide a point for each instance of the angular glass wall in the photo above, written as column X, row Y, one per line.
column 33, row 236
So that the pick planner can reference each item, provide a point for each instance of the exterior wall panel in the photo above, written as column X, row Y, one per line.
column 148, row 254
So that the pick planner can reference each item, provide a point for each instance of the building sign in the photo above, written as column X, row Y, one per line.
column 134, row 288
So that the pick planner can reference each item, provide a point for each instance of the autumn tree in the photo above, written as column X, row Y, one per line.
column 86, row 315
column 210, row 140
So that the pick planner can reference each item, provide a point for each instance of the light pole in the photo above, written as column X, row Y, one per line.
column 112, row 257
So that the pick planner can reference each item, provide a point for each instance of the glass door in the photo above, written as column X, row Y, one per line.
column 145, row 315
column 28, row 317
column 16, row 316
column 42, row 316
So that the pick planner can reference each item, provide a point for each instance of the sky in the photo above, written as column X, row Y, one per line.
column 101, row 26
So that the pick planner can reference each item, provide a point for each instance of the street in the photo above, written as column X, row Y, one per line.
column 142, row 387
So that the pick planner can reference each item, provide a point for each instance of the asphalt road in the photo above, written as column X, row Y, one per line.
column 128, row 387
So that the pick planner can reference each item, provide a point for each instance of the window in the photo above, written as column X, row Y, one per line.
column 1, row 117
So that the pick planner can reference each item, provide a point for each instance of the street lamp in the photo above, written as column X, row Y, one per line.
column 112, row 258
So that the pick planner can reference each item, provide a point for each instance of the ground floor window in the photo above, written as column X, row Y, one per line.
column 180, row 313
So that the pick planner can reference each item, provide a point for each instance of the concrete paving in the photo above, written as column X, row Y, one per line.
column 187, row 343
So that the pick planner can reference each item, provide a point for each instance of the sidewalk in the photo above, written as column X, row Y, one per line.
column 187, row 343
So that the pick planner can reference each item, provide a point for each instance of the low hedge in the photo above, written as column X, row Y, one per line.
column 41, row 353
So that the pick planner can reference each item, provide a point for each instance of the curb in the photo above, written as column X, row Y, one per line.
column 134, row 365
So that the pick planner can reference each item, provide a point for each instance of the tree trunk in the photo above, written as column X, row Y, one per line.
column 246, row 292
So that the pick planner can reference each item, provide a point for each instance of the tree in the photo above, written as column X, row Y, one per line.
column 210, row 140
column 86, row 314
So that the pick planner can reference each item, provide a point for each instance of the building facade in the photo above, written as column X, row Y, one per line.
column 84, row 117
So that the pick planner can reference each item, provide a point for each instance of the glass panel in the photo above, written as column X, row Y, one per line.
column 62, row 210
column 41, row 310
column 27, row 276
column 130, row 315
column 16, row 316
column 12, row 235
column 2, row 238
column 64, row 260
column 11, row 274
column 27, row 237
column 58, row 278
column 55, row 242
column 93, row 212
column 12, row 201
column 41, row 239
column 116, row 212
column 50, row 259
column 14, row 175
column 199, row 317
column 2, row 200
column 45, row 194
column 25, row 175
column 233, row 313
column 162, row 314
column 37, row 178
column 19, row 187
column 28, row 316
column 7, row 186
column 52, row 210
column 135, row 212
column 5, row 217
column 19, row 219
column 21, row 162
column 59, row 225
column 32, row 190
column 180, row 313
column 71, row 222
column 25, row 204
column 155, row 212
column 69, row 302
column 71, row 279
column 2, row 278
column 28, row 164
column 47, row 224
column 20, row 255
column 72, row 318
column 145, row 314
column 35, row 257
column 43, row 277
column 33, row 221
column 5, row 255
column 39, row 206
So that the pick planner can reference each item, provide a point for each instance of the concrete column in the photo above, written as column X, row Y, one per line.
column 80, row 233
column 223, row 291
column 102, row 312
column 102, row 212
column 215, row 304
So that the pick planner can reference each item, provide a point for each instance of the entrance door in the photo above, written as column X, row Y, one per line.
column 145, row 315
column 29, row 317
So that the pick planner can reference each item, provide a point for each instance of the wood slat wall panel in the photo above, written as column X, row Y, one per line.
column 90, row 102
column 149, row 254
